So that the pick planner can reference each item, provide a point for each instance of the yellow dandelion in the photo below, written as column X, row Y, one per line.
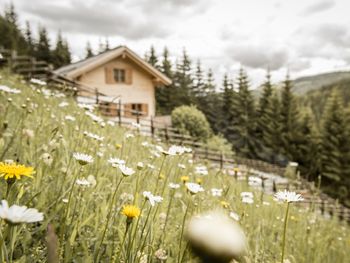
column 225, row 204
column 199, row 181
column 184, row 178
column 131, row 211
column 161, row 176
column 11, row 170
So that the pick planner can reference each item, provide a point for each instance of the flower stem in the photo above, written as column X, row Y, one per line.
column 108, row 219
column 284, row 232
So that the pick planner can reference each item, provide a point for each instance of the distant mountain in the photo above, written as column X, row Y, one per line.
column 303, row 85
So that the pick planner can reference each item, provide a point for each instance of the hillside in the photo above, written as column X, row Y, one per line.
column 109, row 194
column 303, row 85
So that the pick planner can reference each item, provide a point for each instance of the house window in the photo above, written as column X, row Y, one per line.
column 119, row 75
column 136, row 109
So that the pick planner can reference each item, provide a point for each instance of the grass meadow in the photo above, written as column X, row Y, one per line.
column 83, row 203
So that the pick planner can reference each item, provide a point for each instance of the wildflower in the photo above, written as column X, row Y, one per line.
column 19, row 214
column 182, row 166
column 9, row 90
column 234, row 216
column 194, row 188
column 161, row 254
column 140, row 165
column 131, row 211
column 118, row 146
column 63, row 104
column 288, row 197
column 199, row 181
column 47, row 159
column 201, row 169
column 116, row 161
column 129, row 135
column 126, row 197
column 174, row 186
column 93, row 136
column 82, row 182
column 150, row 166
column 126, row 171
column 69, row 118
column 83, row 158
column 65, row 200
column 247, row 194
column 11, row 170
column 38, row 81
column 28, row 133
column 92, row 180
column 225, row 204
column 184, row 178
column 216, row 192
column 214, row 237
column 152, row 198
column 247, row 200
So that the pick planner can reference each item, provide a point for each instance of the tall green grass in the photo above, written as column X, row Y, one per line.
column 87, row 220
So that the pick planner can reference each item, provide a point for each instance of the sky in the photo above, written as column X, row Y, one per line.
column 305, row 37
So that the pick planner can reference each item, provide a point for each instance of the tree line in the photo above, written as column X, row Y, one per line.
column 273, row 128
column 24, row 42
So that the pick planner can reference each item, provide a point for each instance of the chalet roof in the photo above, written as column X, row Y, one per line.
column 74, row 70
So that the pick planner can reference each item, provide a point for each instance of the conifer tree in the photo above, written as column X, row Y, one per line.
column 106, row 48
column 61, row 54
column 198, row 89
column 152, row 57
column 335, row 159
column 265, row 117
column 88, row 50
column 183, row 81
column 163, row 94
column 29, row 39
column 42, row 49
column 228, row 111
column 245, row 142
column 289, row 121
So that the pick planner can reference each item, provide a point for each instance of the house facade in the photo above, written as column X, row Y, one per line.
column 124, row 79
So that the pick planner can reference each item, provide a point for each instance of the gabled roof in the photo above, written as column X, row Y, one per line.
column 76, row 69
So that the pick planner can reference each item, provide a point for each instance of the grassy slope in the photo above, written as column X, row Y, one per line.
column 310, row 237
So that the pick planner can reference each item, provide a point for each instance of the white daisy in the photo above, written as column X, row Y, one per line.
column 116, row 161
column 153, row 199
column 140, row 165
column 63, row 104
column 9, row 90
column 19, row 214
column 174, row 186
column 69, row 118
column 126, row 171
column 83, row 158
column 247, row 200
column 216, row 192
column 201, row 169
column 194, row 188
column 82, row 182
column 288, row 197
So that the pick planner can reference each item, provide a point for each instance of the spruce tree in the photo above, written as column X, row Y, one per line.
column 198, row 87
column 335, row 148
column 289, row 121
column 29, row 39
column 163, row 94
column 61, row 54
column 265, row 117
column 245, row 142
column 152, row 57
column 42, row 49
column 228, row 111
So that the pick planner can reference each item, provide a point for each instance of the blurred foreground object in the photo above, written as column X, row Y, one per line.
column 214, row 237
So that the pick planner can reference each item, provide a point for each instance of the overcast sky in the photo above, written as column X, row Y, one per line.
column 308, row 36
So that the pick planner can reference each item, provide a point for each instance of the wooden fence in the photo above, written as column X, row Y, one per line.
column 30, row 68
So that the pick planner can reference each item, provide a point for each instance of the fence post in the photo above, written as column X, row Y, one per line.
column 137, row 117
column 221, row 161
column 322, row 207
column 96, row 93
column 152, row 127
column 120, row 112
column 166, row 134
column 274, row 187
column 206, row 152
